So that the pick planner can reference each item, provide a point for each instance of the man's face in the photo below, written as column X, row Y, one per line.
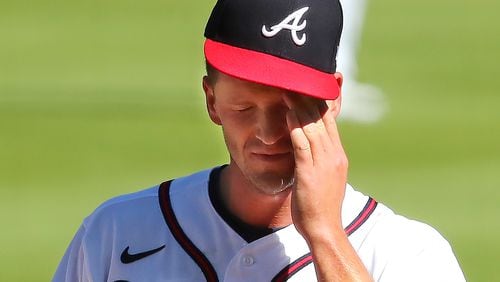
column 253, row 119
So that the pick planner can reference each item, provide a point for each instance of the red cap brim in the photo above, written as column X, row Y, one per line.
column 270, row 70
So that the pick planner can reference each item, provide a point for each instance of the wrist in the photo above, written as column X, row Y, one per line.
column 334, row 257
column 326, row 237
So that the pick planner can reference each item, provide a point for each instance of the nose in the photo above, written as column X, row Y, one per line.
column 271, row 125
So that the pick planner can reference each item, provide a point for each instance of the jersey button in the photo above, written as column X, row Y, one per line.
column 247, row 260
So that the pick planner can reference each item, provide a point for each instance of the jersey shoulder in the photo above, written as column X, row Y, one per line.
column 143, row 202
column 384, row 225
column 393, row 246
column 123, row 206
column 403, row 234
column 132, row 222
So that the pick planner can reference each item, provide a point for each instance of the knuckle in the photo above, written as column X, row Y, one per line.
column 302, row 147
column 310, row 128
column 340, row 162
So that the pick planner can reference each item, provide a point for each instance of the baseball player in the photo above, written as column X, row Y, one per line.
column 281, row 209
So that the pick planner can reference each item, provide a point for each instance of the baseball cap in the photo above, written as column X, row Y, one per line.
column 289, row 44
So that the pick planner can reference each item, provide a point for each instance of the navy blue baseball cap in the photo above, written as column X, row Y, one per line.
column 282, row 43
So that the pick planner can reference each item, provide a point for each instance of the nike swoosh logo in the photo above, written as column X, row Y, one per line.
column 126, row 257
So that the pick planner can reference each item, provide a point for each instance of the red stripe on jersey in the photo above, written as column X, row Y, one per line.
column 362, row 217
column 181, row 237
column 293, row 268
column 305, row 260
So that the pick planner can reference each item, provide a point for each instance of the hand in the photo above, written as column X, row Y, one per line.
column 319, row 188
column 320, row 166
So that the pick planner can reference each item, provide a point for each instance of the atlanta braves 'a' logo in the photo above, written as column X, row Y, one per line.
column 294, row 26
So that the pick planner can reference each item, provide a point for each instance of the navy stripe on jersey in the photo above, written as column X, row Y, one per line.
column 181, row 237
column 305, row 260
column 293, row 268
column 362, row 217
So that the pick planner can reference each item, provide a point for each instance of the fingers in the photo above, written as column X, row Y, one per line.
column 320, row 163
column 307, row 127
column 300, row 142
column 331, row 125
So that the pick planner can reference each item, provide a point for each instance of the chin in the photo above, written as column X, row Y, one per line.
column 269, row 178
column 272, row 183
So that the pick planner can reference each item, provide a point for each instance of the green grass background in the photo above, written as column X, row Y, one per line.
column 103, row 97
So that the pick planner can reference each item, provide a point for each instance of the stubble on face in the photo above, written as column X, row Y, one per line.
column 265, row 178
column 270, row 183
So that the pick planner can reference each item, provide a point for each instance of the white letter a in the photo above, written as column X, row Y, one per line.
column 294, row 26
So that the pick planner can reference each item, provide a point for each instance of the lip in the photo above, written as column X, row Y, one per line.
column 272, row 156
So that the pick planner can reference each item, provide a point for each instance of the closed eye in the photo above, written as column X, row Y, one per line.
column 242, row 108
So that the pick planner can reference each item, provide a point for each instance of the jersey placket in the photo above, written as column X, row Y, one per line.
column 263, row 259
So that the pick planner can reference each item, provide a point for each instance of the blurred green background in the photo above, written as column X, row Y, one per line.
column 103, row 97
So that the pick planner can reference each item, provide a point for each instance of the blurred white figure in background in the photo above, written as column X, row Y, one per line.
column 362, row 103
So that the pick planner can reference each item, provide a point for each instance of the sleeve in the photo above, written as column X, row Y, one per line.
column 72, row 264
column 420, row 253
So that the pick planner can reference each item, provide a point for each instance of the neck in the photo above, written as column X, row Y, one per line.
column 249, row 204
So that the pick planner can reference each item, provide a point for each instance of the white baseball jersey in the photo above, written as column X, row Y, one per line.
column 178, row 231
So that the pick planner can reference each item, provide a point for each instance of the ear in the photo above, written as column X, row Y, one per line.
column 208, row 88
column 335, row 106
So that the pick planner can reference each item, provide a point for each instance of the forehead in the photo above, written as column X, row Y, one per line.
column 233, row 89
